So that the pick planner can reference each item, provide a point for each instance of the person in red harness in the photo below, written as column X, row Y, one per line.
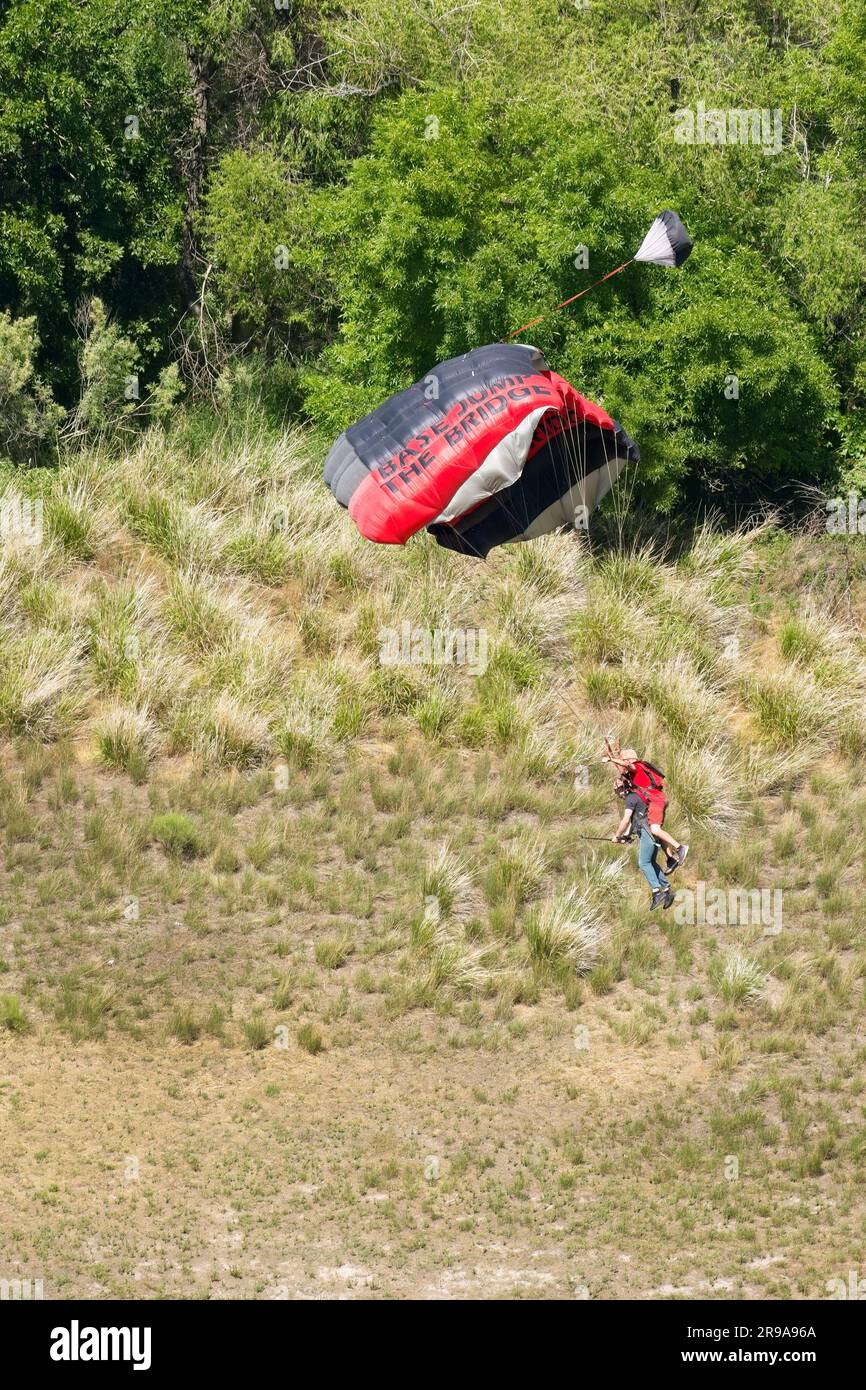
column 649, row 783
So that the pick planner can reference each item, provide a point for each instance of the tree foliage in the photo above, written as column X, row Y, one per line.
column 354, row 192
column 28, row 415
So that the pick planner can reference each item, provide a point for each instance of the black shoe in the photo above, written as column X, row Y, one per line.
column 658, row 899
column 668, row 899
column 671, row 864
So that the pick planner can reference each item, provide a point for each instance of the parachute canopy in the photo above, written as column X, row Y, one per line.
column 667, row 242
column 489, row 447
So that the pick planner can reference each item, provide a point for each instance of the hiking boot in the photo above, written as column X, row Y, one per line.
column 658, row 898
column 668, row 899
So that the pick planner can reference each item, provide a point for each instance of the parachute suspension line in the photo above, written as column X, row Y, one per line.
column 624, row 497
column 567, row 460
column 614, row 495
column 610, row 478
column 570, row 463
column 574, row 443
column 560, row 458
column 621, row 503
column 579, row 295
column 578, row 446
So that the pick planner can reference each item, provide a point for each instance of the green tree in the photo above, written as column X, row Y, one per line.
column 95, row 103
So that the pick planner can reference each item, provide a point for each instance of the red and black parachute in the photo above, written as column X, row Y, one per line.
column 490, row 447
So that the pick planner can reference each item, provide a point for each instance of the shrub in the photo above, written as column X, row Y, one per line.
column 564, row 929
column 29, row 417
column 233, row 734
column 178, row 834
column 42, row 684
column 125, row 737
column 333, row 953
column 12, row 1015
column 256, row 1032
column 310, row 1039
column 737, row 977
column 184, row 1024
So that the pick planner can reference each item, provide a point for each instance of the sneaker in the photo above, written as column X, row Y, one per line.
column 658, row 899
column 668, row 899
column 681, row 855
column 671, row 864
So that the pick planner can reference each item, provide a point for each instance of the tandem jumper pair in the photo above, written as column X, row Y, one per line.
column 641, row 787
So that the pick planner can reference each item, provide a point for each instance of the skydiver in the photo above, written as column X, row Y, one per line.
column 634, row 820
column 648, row 782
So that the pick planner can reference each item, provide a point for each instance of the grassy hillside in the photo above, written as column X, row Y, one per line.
column 309, row 985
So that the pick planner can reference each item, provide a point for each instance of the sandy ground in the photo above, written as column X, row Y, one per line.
column 202, row 1172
